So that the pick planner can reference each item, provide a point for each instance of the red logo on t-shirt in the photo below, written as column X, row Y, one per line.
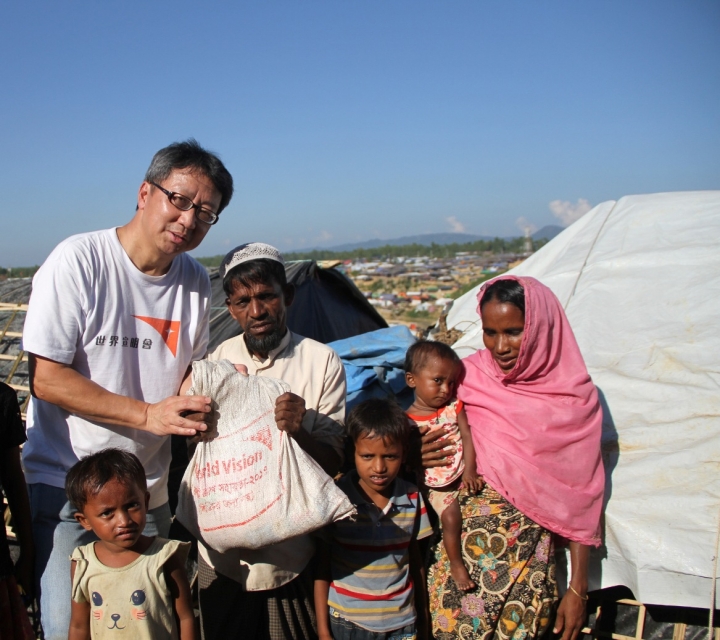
column 168, row 329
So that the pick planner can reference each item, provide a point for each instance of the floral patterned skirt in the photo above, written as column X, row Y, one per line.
column 511, row 559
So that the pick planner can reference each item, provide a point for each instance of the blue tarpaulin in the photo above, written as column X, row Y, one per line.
column 374, row 364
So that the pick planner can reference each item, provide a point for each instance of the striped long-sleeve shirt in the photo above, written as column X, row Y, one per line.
column 371, row 584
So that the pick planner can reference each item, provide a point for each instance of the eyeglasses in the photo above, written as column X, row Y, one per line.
column 185, row 204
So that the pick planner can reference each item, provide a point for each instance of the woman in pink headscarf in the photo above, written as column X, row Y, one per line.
column 536, row 425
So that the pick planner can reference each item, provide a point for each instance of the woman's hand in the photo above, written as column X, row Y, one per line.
column 473, row 482
column 571, row 616
column 572, row 611
column 434, row 451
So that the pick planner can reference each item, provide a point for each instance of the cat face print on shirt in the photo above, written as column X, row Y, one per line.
column 120, row 616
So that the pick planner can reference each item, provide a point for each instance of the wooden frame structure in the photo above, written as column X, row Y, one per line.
column 13, row 309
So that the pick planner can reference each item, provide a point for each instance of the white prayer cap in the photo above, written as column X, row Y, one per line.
column 249, row 251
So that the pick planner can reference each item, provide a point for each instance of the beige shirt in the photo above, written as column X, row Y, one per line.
column 133, row 601
column 315, row 373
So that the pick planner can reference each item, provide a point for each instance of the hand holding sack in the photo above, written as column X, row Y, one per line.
column 251, row 485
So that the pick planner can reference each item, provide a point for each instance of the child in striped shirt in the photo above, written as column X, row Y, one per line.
column 370, row 580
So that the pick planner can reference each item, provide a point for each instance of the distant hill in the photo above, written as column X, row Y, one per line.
column 365, row 249
column 548, row 232
column 424, row 239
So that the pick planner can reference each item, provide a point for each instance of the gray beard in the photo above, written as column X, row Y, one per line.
column 265, row 344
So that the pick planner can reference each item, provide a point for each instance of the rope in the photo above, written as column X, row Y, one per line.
column 587, row 257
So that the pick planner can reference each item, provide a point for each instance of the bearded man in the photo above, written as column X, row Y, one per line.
column 267, row 593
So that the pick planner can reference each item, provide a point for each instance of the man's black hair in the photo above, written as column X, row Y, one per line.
column 253, row 272
column 505, row 291
column 88, row 476
column 190, row 155
column 378, row 418
column 419, row 353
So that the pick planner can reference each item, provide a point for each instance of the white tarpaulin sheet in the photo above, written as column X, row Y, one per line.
column 640, row 282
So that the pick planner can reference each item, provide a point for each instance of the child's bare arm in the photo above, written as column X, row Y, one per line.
column 179, row 586
column 471, row 479
column 79, row 615
column 417, row 572
column 323, row 578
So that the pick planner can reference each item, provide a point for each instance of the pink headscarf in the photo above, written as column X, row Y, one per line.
column 536, row 429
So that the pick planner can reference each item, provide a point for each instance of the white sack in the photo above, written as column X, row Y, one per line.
column 640, row 282
column 252, row 485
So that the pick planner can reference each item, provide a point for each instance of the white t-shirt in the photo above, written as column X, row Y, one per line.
column 131, row 333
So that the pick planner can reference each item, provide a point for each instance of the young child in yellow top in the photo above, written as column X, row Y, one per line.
column 432, row 369
column 125, row 585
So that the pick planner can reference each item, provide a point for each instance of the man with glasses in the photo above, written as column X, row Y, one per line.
column 115, row 319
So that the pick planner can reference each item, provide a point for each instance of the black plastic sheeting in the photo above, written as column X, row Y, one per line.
column 327, row 306
column 660, row 621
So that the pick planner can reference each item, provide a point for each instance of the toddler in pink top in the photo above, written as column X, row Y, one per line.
column 432, row 370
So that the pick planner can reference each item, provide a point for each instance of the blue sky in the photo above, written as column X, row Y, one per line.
column 348, row 120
